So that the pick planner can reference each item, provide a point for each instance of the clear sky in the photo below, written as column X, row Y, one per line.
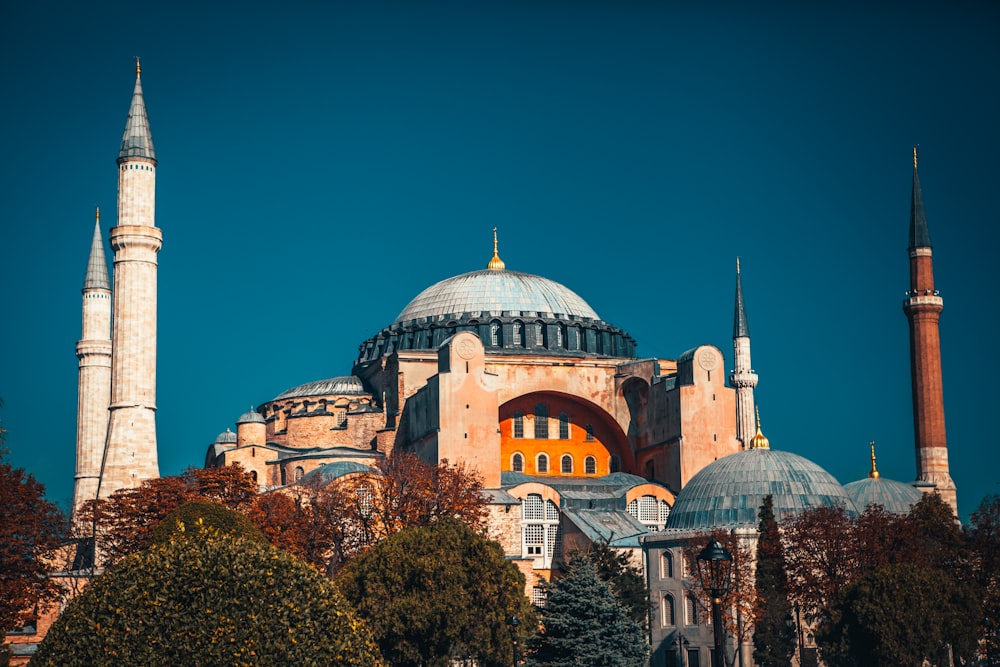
column 321, row 163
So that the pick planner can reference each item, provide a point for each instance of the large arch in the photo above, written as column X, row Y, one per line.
column 589, row 430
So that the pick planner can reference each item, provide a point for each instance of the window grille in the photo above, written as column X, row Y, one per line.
column 668, row 611
column 566, row 464
column 518, row 425
column 564, row 426
column 517, row 463
column 541, row 421
column 543, row 463
column 590, row 465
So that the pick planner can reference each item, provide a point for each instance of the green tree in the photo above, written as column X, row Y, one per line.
column 583, row 623
column 207, row 598
column 191, row 518
column 983, row 535
column 438, row 593
column 902, row 615
column 625, row 579
column 774, row 632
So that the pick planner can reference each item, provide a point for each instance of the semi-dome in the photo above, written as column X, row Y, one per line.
column 728, row 492
column 496, row 292
column 895, row 497
column 348, row 385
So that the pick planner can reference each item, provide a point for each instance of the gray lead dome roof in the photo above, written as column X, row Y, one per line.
column 496, row 292
column 895, row 497
column 729, row 492
column 343, row 385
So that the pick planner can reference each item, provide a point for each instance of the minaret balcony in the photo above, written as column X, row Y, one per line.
column 931, row 299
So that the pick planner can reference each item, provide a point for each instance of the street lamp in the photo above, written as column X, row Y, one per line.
column 715, row 566
column 513, row 622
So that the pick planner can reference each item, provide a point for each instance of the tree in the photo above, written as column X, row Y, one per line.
column 438, row 593
column 820, row 557
column 203, row 597
column 774, row 632
column 31, row 531
column 625, row 579
column 983, row 538
column 583, row 623
column 905, row 614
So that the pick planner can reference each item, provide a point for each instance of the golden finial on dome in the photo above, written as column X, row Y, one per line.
column 874, row 474
column 758, row 441
column 138, row 68
column 98, row 214
column 496, row 264
column 915, row 156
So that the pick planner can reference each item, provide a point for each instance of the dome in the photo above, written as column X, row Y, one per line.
column 895, row 497
column 495, row 292
column 227, row 437
column 250, row 417
column 347, row 384
column 325, row 474
column 728, row 492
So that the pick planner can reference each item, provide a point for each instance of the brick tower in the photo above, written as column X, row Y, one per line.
column 94, row 377
column 743, row 378
column 923, row 307
column 130, row 455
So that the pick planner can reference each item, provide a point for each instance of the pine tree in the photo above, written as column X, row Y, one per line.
column 774, row 633
column 584, row 624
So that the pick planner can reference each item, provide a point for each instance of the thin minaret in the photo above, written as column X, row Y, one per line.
column 94, row 376
column 923, row 306
column 743, row 378
column 130, row 455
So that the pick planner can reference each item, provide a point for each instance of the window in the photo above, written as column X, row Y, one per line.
column 666, row 565
column 496, row 334
column 566, row 464
column 690, row 610
column 541, row 421
column 564, row 426
column 299, row 472
column 590, row 432
column 560, row 335
column 518, row 424
column 341, row 418
column 667, row 619
column 365, row 500
column 517, row 333
column 542, row 463
column 694, row 657
column 517, row 463
column 253, row 474
column 651, row 512
column 590, row 465
column 540, row 523
column 616, row 463
column 539, row 334
column 538, row 596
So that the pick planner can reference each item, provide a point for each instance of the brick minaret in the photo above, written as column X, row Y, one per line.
column 94, row 377
column 743, row 378
column 131, row 450
column 923, row 307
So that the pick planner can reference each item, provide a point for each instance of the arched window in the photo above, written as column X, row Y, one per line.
column 666, row 565
column 616, row 463
column 668, row 611
column 517, row 333
column 518, row 424
column 539, row 332
column 560, row 335
column 590, row 432
column 590, row 465
column 540, row 524
column 564, row 426
column 496, row 334
column 299, row 472
column 542, row 463
column 650, row 512
column 517, row 462
column 253, row 473
column 690, row 610
column 566, row 464
column 541, row 421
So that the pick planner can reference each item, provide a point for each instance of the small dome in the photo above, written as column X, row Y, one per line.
column 496, row 291
column 895, row 497
column 251, row 417
column 325, row 474
column 728, row 492
column 345, row 385
column 227, row 437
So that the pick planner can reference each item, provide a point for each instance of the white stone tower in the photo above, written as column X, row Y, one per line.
column 743, row 378
column 130, row 455
column 94, row 377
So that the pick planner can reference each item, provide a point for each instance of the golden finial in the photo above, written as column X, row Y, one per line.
column 915, row 156
column 874, row 473
column 496, row 264
column 737, row 265
column 98, row 214
column 758, row 441
column 138, row 68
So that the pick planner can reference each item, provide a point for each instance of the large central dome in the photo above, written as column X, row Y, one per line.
column 492, row 292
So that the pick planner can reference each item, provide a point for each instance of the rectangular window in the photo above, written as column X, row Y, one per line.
column 538, row 596
column 534, row 539
column 541, row 421
column 564, row 426
column 518, row 425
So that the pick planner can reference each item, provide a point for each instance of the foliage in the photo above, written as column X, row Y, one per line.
column 905, row 614
column 188, row 520
column 124, row 523
column 821, row 559
column 213, row 600
column 437, row 593
column 583, row 623
column 774, row 633
column 625, row 579
column 983, row 538
column 31, row 531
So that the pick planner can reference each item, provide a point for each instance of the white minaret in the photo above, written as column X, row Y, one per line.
column 94, row 377
column 130, row 456
column 743, row 378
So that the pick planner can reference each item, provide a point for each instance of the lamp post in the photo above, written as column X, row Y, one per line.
column 715, row 566
column 513, row 622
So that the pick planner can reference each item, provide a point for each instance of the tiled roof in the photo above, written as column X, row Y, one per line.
column 895, row 497
column 343, row 385
column 138, row 139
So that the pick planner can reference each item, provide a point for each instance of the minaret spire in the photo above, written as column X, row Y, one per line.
column 874, row 474
column 97, row 264
column 743, row 379
column 923, row 306
column 137, row 141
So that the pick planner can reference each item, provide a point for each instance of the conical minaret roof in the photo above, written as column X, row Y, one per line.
column 920, row 237
column 97, row 265
column 741, row 329
column 137, row 140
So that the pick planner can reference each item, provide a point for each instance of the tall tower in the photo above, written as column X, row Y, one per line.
column 130, row 455
column 743, row 378
column 923, row 307
column 94, row 377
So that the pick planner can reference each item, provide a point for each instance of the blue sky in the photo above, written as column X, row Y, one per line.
column 321, row 163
